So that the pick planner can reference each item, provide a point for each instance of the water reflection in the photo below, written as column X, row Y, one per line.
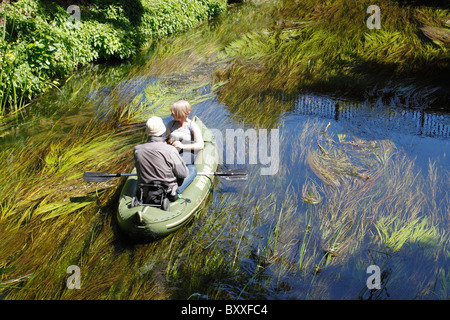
column 381, row 117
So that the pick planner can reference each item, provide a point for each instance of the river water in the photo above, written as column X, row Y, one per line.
column 341, row 185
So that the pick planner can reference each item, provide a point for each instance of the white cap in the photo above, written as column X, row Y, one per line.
column 155, row 127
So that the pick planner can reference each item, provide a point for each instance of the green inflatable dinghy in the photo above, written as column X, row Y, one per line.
column 145, row 223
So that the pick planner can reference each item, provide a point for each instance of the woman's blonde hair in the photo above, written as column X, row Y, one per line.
column 181, row 108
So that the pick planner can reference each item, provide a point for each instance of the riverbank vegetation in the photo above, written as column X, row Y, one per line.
column 41, row 42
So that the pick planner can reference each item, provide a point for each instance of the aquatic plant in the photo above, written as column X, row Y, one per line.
column 395, row 237
column 327, row 47
column 272, row 244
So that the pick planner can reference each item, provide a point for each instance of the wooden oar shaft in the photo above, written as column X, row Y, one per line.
column 222, row 173
column 101, row 177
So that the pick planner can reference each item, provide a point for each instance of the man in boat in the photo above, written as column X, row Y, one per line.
column 157, row 161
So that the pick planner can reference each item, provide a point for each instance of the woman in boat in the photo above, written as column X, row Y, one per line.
column 182, row 133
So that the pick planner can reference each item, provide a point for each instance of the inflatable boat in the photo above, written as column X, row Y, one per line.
column 144, row 222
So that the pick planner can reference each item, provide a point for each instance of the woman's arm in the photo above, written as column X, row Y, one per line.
column 198, row 140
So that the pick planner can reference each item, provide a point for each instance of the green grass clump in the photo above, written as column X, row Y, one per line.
column 395, row 236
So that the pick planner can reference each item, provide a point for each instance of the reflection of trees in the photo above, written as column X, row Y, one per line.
column 419, row 121
column 257, row 104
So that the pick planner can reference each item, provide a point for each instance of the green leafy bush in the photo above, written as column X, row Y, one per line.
column 40, row 44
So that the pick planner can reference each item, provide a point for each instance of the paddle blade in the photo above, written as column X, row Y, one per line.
column 236, row 178
column 233, row 174
column 99, row 176
column 230, row 175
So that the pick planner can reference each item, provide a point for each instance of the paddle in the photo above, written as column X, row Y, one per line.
column 101, row 177
column 233, row 174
